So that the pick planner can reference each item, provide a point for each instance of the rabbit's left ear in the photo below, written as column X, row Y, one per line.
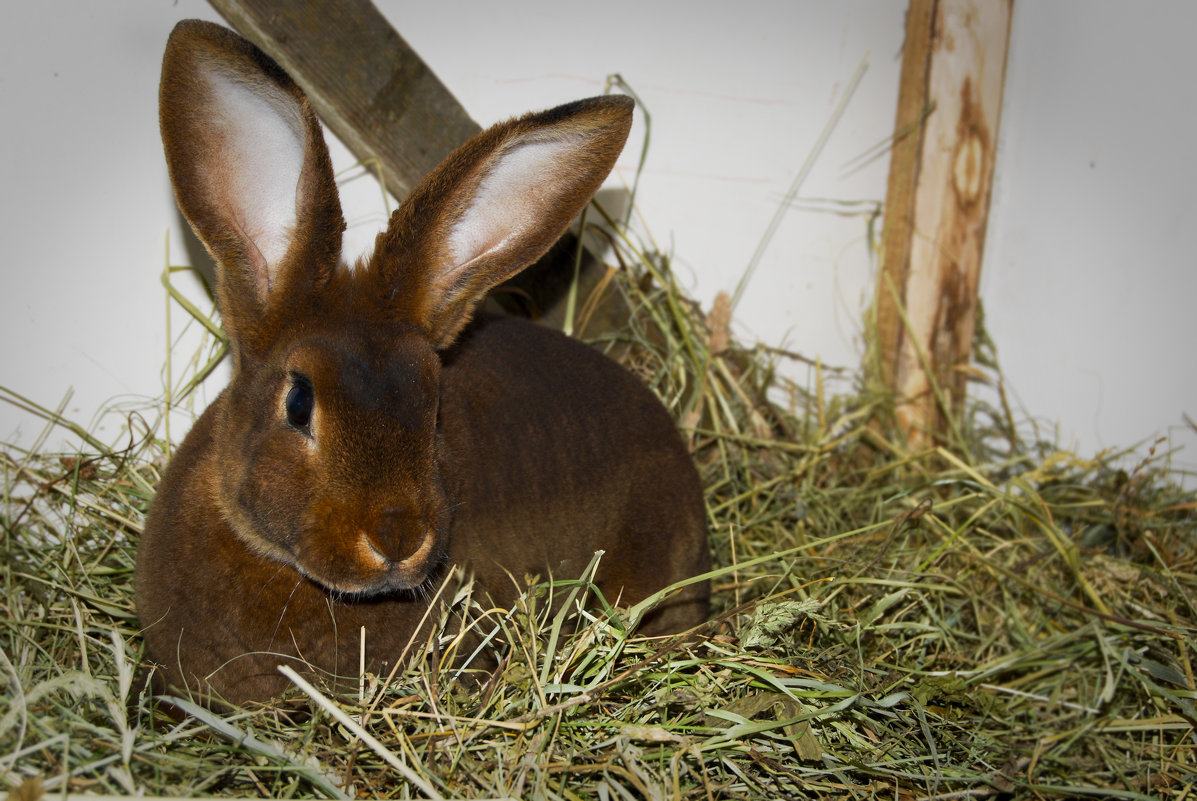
column 251, row 174
column 493, row 207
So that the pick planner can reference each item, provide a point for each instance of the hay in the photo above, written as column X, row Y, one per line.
column 990, row 619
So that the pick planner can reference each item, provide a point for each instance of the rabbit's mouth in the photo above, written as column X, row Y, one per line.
column 381, row 550
column 371, row 573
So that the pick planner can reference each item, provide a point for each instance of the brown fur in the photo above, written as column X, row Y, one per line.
column 503, row 447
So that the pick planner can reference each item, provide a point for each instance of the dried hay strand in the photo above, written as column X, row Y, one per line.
column 989, row 618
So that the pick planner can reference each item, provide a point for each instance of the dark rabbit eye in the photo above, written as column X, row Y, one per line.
column 300, row 401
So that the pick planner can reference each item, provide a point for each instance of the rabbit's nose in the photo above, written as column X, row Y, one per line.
column 398, row 534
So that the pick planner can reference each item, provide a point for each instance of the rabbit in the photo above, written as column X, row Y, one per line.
column 376, row 429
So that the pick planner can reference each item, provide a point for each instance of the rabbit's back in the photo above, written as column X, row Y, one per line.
column 551, row 452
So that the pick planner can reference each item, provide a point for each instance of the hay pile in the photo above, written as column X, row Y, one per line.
column 991, row 620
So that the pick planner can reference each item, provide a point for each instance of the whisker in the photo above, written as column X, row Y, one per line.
column 283, row 612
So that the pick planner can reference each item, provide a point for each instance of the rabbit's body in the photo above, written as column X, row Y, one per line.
column 216, row 612
column 369, row 438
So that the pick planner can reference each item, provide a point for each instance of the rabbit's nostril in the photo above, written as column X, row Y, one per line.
column 374, row 549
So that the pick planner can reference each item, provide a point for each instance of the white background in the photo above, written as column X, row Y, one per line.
column 1089, row 283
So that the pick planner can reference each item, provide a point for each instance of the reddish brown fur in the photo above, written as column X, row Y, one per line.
column 504, row 447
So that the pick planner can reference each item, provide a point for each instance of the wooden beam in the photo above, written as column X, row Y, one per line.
column 365, row 82
column 937, row 206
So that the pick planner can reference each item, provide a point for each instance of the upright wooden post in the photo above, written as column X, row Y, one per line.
column 937, row 205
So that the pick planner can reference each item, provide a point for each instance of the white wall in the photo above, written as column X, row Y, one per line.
column 1087, row 284
column 1090, row 278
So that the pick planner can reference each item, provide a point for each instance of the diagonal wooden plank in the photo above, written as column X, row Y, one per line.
column 365, row 82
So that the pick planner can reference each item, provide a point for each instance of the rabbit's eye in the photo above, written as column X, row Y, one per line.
column 300, row 401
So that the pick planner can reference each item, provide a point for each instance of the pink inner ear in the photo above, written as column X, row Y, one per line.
column 518, row 190
column 256, row 176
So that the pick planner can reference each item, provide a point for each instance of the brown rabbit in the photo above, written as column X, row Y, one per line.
column 372, row 434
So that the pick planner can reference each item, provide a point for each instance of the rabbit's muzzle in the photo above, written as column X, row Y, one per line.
column 373, row 553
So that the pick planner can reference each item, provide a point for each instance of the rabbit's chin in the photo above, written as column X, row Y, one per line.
column 379, row 591
column 392, row 583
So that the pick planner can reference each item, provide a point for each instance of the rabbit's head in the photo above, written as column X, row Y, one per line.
column 327, row 435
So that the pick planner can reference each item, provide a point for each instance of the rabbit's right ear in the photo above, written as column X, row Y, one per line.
column 494, row 206
column 252, row 176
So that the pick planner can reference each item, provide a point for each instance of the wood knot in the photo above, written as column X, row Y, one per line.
column 967, row 171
